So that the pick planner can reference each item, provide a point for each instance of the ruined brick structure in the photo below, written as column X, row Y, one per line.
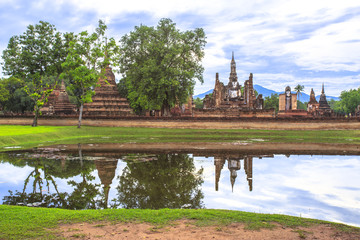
column 231, row 95
column 324, row 108
column 321, row 108
column 313, row 105
column 287, row 101
column 288, row 105
column 58, row 103
column 233, row 100
column 107, row 101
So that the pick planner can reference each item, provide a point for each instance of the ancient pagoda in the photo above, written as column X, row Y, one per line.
column 231, row 96
column 58, row 103
column 107, row 101
column 324, row 108
column 313, row 105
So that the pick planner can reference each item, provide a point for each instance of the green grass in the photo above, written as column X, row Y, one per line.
column 27, row 136
column 40, row 223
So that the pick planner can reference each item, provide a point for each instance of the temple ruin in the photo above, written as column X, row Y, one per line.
column 107, row 101
column 233, row 99
column 321, row 108
column 288, row 105
column 58, row 103
column 313, row 105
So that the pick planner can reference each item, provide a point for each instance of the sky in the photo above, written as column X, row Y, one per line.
column 282, row 42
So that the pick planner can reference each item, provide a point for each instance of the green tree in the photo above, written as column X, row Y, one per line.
column 301, row 105
column 349, row 100
column 272, row 102
column 336, row 106
column 160, row 65
column 35, row 57
column 38, row 51
column 199, row 104
column 38, row 92
column 299, row 89
column 4, row 94
column 88, row 55
column 18, row 100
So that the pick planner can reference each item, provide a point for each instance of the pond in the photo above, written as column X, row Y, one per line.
column 324, row 187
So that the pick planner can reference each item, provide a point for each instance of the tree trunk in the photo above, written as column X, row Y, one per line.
column 34, row 124
column 80, row 115
column 165, row 110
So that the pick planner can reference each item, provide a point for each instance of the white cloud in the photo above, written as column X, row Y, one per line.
column 309, row 35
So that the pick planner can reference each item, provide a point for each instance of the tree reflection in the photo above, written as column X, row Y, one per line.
column 168, row 182
column 41, row 179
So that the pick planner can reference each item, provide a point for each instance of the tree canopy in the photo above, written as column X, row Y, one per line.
column 39, row 50
column 349, row 100
column 35, row 57
column 88, row 55
column 272, row 102
column 160, row 65
column 299, row 89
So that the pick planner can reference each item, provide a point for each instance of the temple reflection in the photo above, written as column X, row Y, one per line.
column 234, row 163
column 143, row 183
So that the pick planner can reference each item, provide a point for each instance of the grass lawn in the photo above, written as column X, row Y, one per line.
column 40, row 223
column 12, row 136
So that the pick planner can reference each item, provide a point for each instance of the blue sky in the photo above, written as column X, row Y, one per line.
column 282, row 42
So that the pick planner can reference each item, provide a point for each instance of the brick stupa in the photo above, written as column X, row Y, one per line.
column 107, row 101
column 58, row 103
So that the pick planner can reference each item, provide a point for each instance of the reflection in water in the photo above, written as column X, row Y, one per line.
column 169, row 181
column 324, row 187
column 234, row 165
column 148, row 181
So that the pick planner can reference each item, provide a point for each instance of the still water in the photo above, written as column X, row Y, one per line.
column 324, row 187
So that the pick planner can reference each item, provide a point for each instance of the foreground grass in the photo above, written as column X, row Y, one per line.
column 40, row 223
column 27, row 136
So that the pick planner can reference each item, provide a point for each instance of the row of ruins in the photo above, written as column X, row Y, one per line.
column 226, row 101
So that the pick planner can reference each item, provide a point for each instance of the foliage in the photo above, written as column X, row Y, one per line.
column 272, row 102
column 122, row 88
column 301, row 105
column 4, row 95
column 39, row 51
column 39, row 93
column 299, row 89
column 199, row 104
column 148, row 185
column 88, row 55
column 349, row 100
column 18, row 100
column 160, row 65
column 336, row 106
column 35, row 57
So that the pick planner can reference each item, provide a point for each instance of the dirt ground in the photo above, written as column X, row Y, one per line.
column 185, row 230
column 270, row 124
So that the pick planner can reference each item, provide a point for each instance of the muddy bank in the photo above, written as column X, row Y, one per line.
column 246, row 148
column 271, row 124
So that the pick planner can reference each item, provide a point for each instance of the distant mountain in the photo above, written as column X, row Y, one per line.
column 202, row 95
column 264, row 91
column 267, row 93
